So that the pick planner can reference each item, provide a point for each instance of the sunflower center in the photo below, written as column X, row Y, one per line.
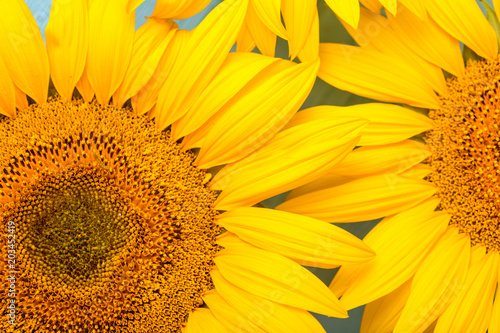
column 465, row 147
column 114, row 227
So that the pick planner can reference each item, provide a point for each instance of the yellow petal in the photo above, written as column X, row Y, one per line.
column 8, row 93
column 372, row 74
column 373, row 5
column 323, row 182
column 417, row 7
column 308, row 241
column 430, row 41
column 258, row 112
column 494, row 326
column 202, row 320
column 418, row 171
column 347, row 10
column 110, row 46
column 198, row 62
column 146, row 98
column 23, row 50
column 390, row 5
column 301, row 22
column 133, row 4
column 178, row 9
column 401, row 243
column 67, row 36
column 264, row 38
column 292, row 158
column 464, row 20
column 388, row 123
column 244, row 41
column 230, row 317
column 471, row 310
column 21, row 99
column 393, row 158
column 270, row 316
column 362, row 199
column 381, row 316
column 437, row 282
column 276, row 278
column 236, row 71
column 269, row 12
column 150, row 42
column 84, row 87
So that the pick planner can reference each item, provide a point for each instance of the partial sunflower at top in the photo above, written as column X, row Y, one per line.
column 430, row 169
column 115, row 222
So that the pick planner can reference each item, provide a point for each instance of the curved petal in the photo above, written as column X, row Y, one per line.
column 150, row 42
column 8, row 93
column 291, row 159
column 301, row 20
column 264, row 38
column 110, row 46
column 270, row 316
column 326, row 181
column 464, row 20
column 381, row 315
column 437, row 282
column 362, row 199
column 258, row 112
column 202, row 320
column 269, row 13
column 388, row 123
column 84, row 87
column 347, row 10
column 178, row 9
column 390, row 5
column 373, row 5
column 244, row 41
column 367, row 72
column 305, row 240
column 393, row 158
column 67, row 37
column 23, row 50
column 21, row 98
column 494, row 326
column 199, row 60
column 415, row 6
column 401, row 243
column 471, row 311
column 276, row 278
column 237, row 70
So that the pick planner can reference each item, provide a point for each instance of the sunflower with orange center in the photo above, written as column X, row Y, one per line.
column 428, row 165
column 131, row 203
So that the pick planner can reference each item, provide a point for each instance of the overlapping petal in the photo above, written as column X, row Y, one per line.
column 302, row 26
column 308, row 241
column 178, row 9
column 347, row 10
column 8, row 93
column 202, row 320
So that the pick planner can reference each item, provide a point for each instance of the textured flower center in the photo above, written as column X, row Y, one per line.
column 465, row 147
column 114, row 227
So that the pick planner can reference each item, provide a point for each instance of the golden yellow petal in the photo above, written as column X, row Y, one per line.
column 244, row 41
column 392, row 158
column 276, row 278
column 258, row 112
column 381, row 315
column 202, row 320
column 67, row 41
column 347, row 10
column 367, row 72
column 236, row 71
column 390, row 5
column 292, row 158
column 308, row 241
column 269, row 12
column 471, row 311
column 230, row 317
column 301, row 22
column 270, row 316
column 264, row 38
column 150, row 42
column 388, row 123
column 373, row 5
column 199, row 60
column 464, row 20
column 401, row 243
column 326, row 181
column 133, row 4
column 362, row 199
column 437, row 282
column 110, row 46
column 430, row 41
column 9, row 93
column 84, row 87
column 146, row 98
column 418, row 171
column 417, row 7
column 23, row 50
column 21, row 99
column 178, row 9
column 494, row 326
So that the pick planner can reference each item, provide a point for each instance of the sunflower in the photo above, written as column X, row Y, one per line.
column 428, row 166
column 112, row 220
